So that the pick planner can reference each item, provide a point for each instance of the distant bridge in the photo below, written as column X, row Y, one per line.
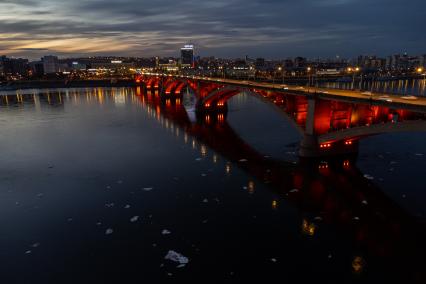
column 331, row 122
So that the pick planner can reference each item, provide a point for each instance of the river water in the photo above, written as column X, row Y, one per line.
column 99, row 185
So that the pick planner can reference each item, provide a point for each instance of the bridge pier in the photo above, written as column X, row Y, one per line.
column 310, row 147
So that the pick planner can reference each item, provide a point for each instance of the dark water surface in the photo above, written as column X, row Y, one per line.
column 98, row 185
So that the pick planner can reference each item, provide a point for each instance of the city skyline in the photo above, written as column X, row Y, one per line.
column 222, row 28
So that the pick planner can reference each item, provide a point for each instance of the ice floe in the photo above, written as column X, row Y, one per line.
column 176, row 257
column 367, row 176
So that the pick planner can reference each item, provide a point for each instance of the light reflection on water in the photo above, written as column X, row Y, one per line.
column 416, row 87
column 234, row 212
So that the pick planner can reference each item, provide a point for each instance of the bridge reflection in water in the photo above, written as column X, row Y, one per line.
column 327, row 191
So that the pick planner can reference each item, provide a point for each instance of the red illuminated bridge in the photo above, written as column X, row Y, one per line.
column 331, row 122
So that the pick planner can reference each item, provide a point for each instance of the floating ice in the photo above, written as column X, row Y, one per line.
column 166, row 232
column 243, row 160
column 203, row 175
column 294, row 190
column 364, row 202
column 367, row 176
column 176, row 257
column 109, row 231
column 148, row 188
column 273, row 259
column 419, row 154
column 109, row 205
column 205, row 200
column 28, row 252
column 119, row 181
column 35, row 245
column 318, row 218
column 356, row 218
column 134, row 219
column 198, row 159
column 40, row 195
column 127, row 206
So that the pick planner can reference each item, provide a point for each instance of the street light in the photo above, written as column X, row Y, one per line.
column 353, row 71
column 420, row 70
column 309, row 77
column 281, row 69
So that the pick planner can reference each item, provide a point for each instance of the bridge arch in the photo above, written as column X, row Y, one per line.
column 177, row 85
column 290, row 109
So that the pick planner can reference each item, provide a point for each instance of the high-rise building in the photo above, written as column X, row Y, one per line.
column 50, row 64
column 187, row 56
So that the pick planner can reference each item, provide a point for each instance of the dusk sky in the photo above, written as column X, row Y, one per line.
column 224, row 28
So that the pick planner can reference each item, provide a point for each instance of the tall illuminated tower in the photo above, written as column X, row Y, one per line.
column 187, row 56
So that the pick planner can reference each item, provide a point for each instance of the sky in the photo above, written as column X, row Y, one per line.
column 222, row 28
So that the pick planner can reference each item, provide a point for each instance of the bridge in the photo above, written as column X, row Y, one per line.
column 330, row 122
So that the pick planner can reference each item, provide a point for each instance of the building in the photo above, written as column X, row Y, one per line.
column 300, row 62
column 50, row 64
column 13, row 66
column 169, row 66
column 187, row 56
column 3, row 65
column 112, row 65
column 37, row 68
column 260, row 63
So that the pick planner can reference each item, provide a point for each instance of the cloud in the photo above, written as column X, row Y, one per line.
column 270, row 28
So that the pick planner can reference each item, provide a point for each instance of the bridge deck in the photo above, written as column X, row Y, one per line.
column 390, row 100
